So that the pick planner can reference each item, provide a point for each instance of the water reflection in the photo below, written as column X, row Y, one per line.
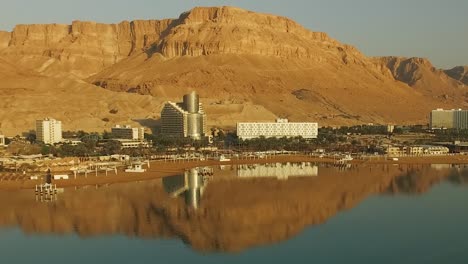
column 281, row 171
column 191, row 185
column 236, row 209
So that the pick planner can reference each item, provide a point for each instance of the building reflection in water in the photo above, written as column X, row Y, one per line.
column 193, row 182
column 281, row 171
column 190, row 185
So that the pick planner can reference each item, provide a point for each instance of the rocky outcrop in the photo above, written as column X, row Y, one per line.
column 420, row 74
column 4, row 39
column 82, row 47
column 407, row 70
column 459, row 73
column 228, row 30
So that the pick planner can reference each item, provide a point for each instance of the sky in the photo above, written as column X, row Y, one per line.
column 434, row 29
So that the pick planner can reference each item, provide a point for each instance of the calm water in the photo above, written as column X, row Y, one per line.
column 296, row 213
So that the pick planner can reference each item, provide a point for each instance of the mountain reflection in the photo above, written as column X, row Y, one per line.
column 231, row 211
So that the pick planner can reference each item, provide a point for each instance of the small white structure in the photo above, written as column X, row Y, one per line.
column 223, row 158
column 61, row 177
column 120, row 157
column 2, row 140
column 130, row 143
column 73, row 142
column 138, row 167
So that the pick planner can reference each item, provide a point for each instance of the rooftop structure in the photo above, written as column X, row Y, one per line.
column 184, row 119
column 49, row 131
column 282, row 128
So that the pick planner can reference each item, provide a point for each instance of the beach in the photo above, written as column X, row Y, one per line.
column 159, row 169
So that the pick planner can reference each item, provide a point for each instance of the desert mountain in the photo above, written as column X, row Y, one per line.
column 247, row 66
column 26, row 96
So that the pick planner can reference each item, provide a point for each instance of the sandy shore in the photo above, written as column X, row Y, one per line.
column 160, row 169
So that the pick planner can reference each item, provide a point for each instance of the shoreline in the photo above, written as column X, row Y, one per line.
column 159, row 169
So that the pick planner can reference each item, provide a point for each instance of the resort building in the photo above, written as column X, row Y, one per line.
column 128, row 132
column 186, row 119
column 128, row 143
column 435, row 150
column 49, row 131
column 2, row 140
column 395, row 151
column 425, row 150
column 415, row 151
column 282, row 128
column 447, row 119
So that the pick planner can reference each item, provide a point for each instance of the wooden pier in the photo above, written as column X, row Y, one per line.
column 46, row 192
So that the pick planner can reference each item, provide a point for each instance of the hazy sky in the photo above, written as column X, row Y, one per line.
column 436, row 29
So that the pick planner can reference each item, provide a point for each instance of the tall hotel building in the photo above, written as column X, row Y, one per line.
column 282, row 128
column 455, row 118
column 185, row 119
column 49, row 131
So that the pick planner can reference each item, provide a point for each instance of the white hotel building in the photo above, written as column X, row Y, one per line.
column 49, row 131
column 282, row 128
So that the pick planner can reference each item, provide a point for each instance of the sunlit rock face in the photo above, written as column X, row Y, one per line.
column 246, row 66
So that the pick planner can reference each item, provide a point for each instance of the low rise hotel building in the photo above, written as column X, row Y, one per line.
column 425, row 150
column 128, row 132
column 280, row 128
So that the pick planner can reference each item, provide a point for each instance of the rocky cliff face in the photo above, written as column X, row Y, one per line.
column 4, row 39
column 82, row 47
column 459, row 73
column 422, row 75
column 201, row 31
column 227, row 30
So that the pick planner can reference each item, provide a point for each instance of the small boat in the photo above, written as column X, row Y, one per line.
column 135, row 168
